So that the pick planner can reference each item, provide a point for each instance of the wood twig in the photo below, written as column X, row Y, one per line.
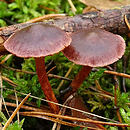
column 33, row 73
column 60, row 121
column 17, row 70
column 101, row 90
column 76, row 119
column 46, row 17
column 25, row 107
column 5, row 59
column 117, row 73
column 51, row 69
column 47, row 8
column 9, row 81
column 31, row 104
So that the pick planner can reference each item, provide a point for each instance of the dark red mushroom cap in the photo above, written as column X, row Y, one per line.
column 95, row 48
column 37, row 41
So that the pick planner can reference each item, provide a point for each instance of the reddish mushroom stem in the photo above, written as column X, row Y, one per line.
column 45, row 85
column 80, row 77
column 78, row 80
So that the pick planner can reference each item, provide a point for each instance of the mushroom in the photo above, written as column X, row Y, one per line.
column 2, row 49
column 93, row 48
column 38, row 41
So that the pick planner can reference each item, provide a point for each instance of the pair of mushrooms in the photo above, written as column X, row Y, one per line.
column 90, row 48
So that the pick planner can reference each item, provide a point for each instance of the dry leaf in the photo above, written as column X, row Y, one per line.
column 78, row 103
column 105, row 4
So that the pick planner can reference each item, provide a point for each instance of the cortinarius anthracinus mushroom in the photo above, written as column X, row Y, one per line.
column 93, row 48
column 38, row 41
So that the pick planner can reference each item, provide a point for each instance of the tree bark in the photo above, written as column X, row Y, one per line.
column 111, row 20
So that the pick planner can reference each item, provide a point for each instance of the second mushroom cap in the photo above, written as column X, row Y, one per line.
column 95, row 48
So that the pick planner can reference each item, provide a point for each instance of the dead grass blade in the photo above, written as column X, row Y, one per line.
column 17, row 103
column 72, row 6
column 6, row 107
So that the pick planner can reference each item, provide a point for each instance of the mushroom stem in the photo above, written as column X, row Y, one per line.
column 78, row 80
column 45, row 85
column 80, row 77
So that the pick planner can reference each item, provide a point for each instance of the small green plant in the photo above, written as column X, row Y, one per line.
column 12, row 126
column 125, row 115
column 16, row 125
column 24, row 10
column 122, row 100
